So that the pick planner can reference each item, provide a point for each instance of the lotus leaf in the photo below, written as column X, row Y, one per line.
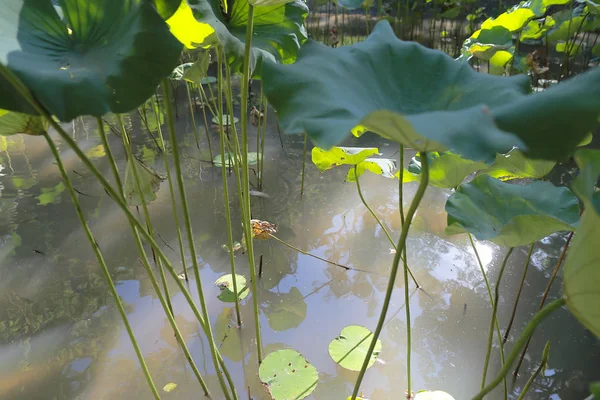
column 288, row 375
column 105, row 56
column 228, row 335
column 379, row 166
column 581, row 282
column 434, row 104
column 252, row 159
column 511, row 215
column 226, row 119
column 327, row 159
column 278, row 30
column 515, row 165
column 285, row 310
column 595, row 389
column 191, row 33
column 446, row 170
column 483, row 44
column 179, row 71
column 350, row 348
column 149, row 183
column 13, row 123
column 225, row 283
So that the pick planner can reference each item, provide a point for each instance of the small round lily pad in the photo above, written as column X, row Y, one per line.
column 350, row 348
column 288, row 375
column 225, row 283
column 227, row 120
column 433, row 395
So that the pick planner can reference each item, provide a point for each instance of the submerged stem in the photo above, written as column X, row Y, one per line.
column 493, row 319
column 390, row 288
column 100, row 259
column 518, row 296
column 527, row 332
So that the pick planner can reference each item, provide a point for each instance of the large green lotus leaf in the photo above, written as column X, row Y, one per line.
column 432, row 395
column 379, row 166
column 327, row 159
column 191, row 33
column 446, row 170
column 288, row 375
column 515, row 165
column 13, row 123
column 350, row 348
column 278, row 29
column 581, row 282
column 511, row 215
column 483, row 44
column 105, row 56
column 285, row 310
column 149, row 183
column 426, row 100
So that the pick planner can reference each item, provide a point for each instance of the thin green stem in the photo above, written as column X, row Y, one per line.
column 100, row 258
column 493, row 319
column 518, row 296
column 491, row 297
column 535, row 374
column 171, row 190
column 245, row 179
column 401, row 184
column 190, row 238
column 189, row 96
column 226, row 200
column 514, row 353
column 263, row 135
column 383, row 228
column 392, row 281
column 303, row 164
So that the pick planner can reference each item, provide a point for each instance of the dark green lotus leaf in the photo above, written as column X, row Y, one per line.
column 13, row 123
column 581, row 281
column 511, row 215
column 446, row 170
column 278, row 30
column 515, row 165
column 106, row 56
column 287, row 375
column 426, row 100
column 166, row 8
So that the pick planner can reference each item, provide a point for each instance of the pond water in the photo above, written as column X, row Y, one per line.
column 61, row 336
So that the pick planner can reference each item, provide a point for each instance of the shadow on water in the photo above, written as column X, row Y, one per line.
column 61, row 338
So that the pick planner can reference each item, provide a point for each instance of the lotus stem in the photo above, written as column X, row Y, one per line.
column 392, row 281
column 383, row 228
column 493, row 319
column 100, row 259
column 189, row 97
column 245, row 179
column 545, row 295
column 171, row 190
column 527, row 332
column 190, row 238
column 303, row 164
column 401, row 185
column 226, row 200
column 261, row 159
column 492, row 302
column 518, row 296
column 539, row 369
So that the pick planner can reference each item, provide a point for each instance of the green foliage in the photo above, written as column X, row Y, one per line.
column 511, row 215
column 444, row 106
column 225, row 283
column 446, row 170
column 379, row 166
column 515, row 165
column 595, row 389
column 149, row 183
column 169, row 387
column 354, row 4
column 226, row 120
column 252, row 159
column 51, row 195
column 13, row 123
column 105, row 56
column 581, row 282
column 350, row 348
column 278, row 30
column 288, row 375
column 284, row 310
column 327, row 159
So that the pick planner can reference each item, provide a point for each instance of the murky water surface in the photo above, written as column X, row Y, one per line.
column 61, row 336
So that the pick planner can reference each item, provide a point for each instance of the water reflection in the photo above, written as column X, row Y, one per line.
column 60, row 336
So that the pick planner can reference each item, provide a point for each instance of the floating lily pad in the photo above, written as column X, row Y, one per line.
column 252, row 159
column 511, row 215
column 445, row 105
column 284, row 310
column 581, row 280
column 432, row 395
column 14, row 123
column 149, row 183
column 103, row 56
column 327, row 159
column 169, row 387
column 350, row 348
column 225, row 283
column 288, row 375
column 227, row 120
